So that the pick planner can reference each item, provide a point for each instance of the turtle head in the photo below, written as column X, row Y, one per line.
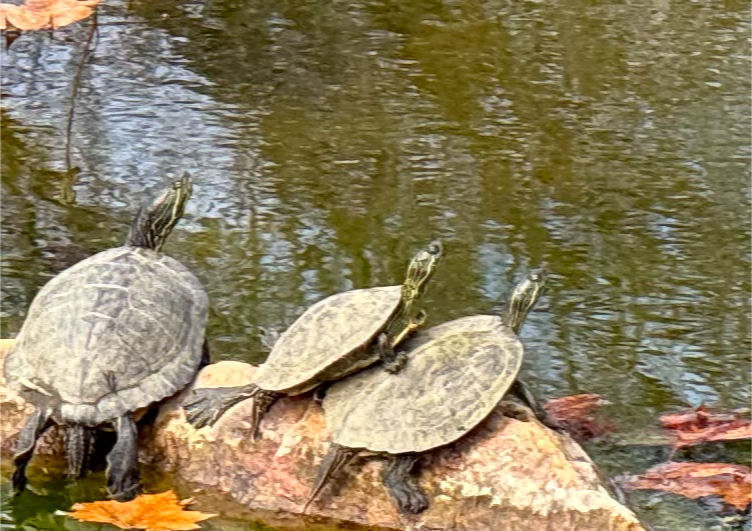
column 419, row 271
column 523, row 298
column 155, row 219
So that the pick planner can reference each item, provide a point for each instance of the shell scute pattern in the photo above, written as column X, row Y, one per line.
column 328, row 331
column 454, row 377
column 111, row 334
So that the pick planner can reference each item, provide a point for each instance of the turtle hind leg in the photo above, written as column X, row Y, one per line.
column 79, row 440
column 398, row 479
column 393, row 361
column 122, row 461
column 332, row 463
column 205, row 406
column 262, row 401
column 522, row 391
column 205, row 355
column 35, row 426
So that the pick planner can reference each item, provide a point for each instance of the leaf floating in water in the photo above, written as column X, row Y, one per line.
column 44, row 14
column 156, row 512
column 577, row 414
column 731, row 482
column 701, row 425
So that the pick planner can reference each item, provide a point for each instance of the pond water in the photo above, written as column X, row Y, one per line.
column 606, row 141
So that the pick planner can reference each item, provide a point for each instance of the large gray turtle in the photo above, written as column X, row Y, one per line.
column 333, row 338
column 114, row 333
column 458, row 372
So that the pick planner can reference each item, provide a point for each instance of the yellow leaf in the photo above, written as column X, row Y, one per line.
column 155, row 512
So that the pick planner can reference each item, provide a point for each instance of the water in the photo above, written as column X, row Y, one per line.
column 608, row 142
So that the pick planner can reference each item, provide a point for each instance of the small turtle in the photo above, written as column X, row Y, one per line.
column 113, row 334
column 333, row 338
column 458, row 372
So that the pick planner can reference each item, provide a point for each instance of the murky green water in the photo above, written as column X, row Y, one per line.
column 607, row 141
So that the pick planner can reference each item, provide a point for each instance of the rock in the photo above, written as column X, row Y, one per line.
column 506, row 474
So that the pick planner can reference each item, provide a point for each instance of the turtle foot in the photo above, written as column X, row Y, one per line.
column 205, row 406
column 410, row 501
column 395, row 364
column 122, row 461
column 515, row 411
column 399, row 481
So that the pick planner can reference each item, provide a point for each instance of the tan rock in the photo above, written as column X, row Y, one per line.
column 506, row 474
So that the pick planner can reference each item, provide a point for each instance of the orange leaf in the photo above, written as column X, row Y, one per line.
column 23, row 19
column 740, row 429
column 156, row 512
column 577, row 414
column 693, row 480
column 43, row 14
column 702, row 425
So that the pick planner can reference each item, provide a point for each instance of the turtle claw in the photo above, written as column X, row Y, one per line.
column 395, row 364
column 205, row 406
column 198, row 412
column 199, row 418
column 416, row 502
column 418, row 320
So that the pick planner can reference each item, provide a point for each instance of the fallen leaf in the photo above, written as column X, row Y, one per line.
column 703, row 425
column 44, row 14
column 155, row 512
column 576, row 414
column 731, row 482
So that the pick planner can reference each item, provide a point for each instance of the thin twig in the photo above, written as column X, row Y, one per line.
column 74, row 89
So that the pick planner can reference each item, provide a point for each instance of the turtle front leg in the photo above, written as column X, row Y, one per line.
column 392, row 361
column 205, row 406
column 122, row 461
column 522, row 391
column 413, row 323
column 269, row 337
column 35, row 426
column 398, row 480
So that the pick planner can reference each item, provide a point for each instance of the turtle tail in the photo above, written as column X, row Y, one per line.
column 79, row 440
column 332, row 463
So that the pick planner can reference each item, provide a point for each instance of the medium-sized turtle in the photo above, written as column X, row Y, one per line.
column 458, row 372
column 333, row 338
column 115, row 333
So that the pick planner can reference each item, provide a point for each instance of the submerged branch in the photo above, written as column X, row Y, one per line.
column 75, row 83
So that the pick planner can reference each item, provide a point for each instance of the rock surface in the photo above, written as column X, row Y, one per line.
column 506, row 474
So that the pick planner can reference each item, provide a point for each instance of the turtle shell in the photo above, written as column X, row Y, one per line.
column 456, row 374
column 330, row 340
column 111, row 334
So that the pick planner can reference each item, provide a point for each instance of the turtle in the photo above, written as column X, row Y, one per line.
column 105, row 339
column 457, row 374
column 336, row 336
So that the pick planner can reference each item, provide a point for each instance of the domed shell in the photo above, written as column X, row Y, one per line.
column 456, row 374
column 327, row 342
column 113, row 333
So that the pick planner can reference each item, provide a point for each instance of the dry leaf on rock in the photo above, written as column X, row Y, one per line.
column 731, row 482
column 703, row 425
column 155, row 512
column 577, row 414
column 44, row 14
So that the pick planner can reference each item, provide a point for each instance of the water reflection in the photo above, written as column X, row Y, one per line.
column 608, row 142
